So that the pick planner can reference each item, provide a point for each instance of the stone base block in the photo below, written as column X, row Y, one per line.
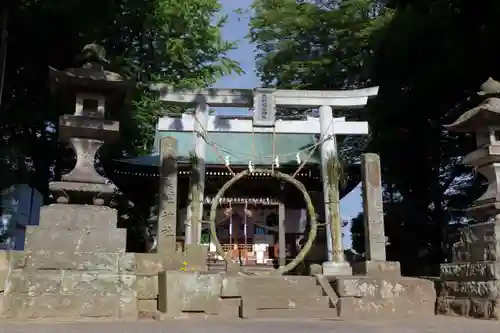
column 315, row 269
column 377, row 268
column 188, row 292
column 353, row 307
column 229, row 307
column 480, row 232
column 82, row 193
column 195, row 256
column 385, row 288
column 73, row 261
column 479, row 251
column 368, row 296
column 68, row 307
column 147, row 287
column 148, row 308
column 337, row 269
column 248, row 310
column 232, row 286
column 70, row 283
column 480, row 308
column 148, row 263
column 469, row 289
column 71, row 216
column 76, row 239
column 472, row 271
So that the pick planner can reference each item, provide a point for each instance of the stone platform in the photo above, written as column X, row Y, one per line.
column 242, row 296
column 74, row 266
column 232, row 296
column 384, row 297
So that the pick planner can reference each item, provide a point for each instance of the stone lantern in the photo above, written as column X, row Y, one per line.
column 468, row 283
column 484, row 121
column 95, row 93
column 78, row 244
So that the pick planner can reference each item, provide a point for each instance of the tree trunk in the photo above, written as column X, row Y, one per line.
column 3, row 49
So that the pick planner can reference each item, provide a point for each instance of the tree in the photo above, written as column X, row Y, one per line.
column 177, row 42
column 429, row 59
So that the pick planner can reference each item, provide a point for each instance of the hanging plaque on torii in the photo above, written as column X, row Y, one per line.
column 264, row 107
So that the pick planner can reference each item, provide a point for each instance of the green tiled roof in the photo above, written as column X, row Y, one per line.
column 241, row 147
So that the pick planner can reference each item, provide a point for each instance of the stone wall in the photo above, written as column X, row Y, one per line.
column 470, row 285
column 365, row 296
column 74, row 266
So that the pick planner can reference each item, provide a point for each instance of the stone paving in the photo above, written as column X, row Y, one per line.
column 424, row 325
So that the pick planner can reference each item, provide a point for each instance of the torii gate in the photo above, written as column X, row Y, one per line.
column 264, row 102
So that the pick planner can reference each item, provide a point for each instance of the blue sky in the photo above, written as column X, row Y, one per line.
column 236, row 30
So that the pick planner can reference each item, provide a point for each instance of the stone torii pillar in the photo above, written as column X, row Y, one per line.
column 264, row 102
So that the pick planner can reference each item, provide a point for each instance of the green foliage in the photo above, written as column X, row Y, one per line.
column 306, row 45
column 168, row 41
column 429, row 59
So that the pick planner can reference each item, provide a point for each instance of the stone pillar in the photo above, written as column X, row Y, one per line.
column 193, row 232
column 328, row 147
column 167, row 217
column 281, row 234
column 375, row 239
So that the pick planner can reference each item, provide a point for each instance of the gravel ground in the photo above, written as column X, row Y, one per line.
column 435, row 325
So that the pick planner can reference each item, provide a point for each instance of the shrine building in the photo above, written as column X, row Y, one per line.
column 250, row 231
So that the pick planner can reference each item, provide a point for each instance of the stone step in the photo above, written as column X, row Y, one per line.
column 76, row 239
column 292, row 302
column 220, row 266
column 258, row 268
column 75, row 261
column 68, row 307
column 282, row 285
column 229, row 307
column 297, row 314
column 69, row 283
column 67, row 216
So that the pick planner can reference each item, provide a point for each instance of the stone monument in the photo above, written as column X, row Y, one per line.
column 167, row 217
column 74, row 264
column 470, row 284
column 375, row 240
column 377, row 287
